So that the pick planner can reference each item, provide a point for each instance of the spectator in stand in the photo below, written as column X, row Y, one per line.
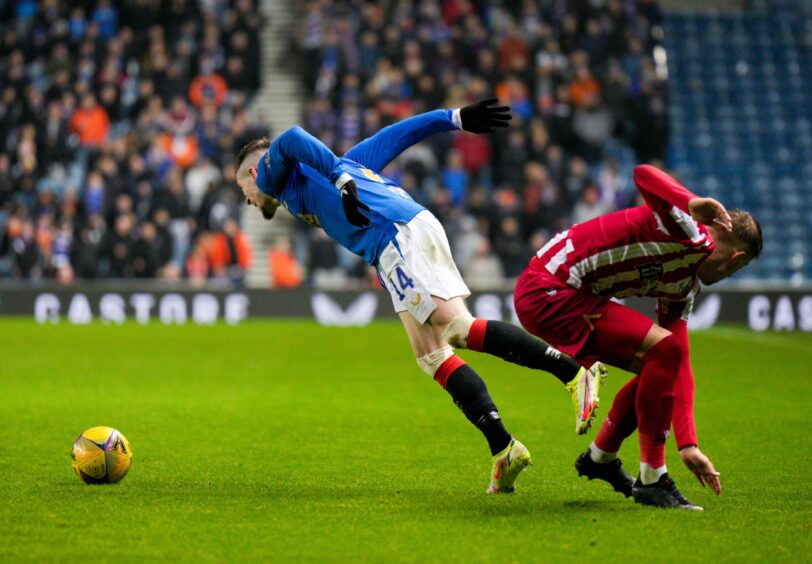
column 20, row 246
column 285, row 269
column 511, row 247
column 90, row 122
column 230, row 253
column 541, row 199
column 455, row 178
column 197, row 264
column 119, row 247
column 590, row 205
column 613, row 184
column 208, row 86
column 102, row 123
column 484, row 271
column 323, row 261
column 592, row 126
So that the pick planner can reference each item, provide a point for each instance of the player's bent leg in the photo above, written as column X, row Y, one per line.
column 620, row 337
column 654, row 404
column 653, row 393
column 600, row 460
column 510, row 343
column 616, row 338
column 619, row 424
column 513, row 344
column 470, row 394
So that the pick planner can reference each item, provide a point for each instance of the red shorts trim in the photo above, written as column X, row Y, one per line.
column 579, row 324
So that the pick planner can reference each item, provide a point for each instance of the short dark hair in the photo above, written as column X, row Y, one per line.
column 260, row 144
column 747, row 230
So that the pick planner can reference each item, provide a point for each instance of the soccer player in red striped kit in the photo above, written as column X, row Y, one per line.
column 662, row 249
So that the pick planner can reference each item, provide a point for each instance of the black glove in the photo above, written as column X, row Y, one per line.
column 352, row 205
column 480, row 118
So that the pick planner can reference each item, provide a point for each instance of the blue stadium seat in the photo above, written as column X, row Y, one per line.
column 741, row 110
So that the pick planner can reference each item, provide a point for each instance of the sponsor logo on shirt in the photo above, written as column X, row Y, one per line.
column 650, row 271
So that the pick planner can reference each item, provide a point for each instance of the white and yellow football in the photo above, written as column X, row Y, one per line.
column 101, row 455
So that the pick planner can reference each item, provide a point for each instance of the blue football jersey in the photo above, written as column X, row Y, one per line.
column 299, row 171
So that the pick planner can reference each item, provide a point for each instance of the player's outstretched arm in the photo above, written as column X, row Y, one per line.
column 379, row 150
column 670, row 316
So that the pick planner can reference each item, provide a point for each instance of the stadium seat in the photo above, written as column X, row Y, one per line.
column 741, row 111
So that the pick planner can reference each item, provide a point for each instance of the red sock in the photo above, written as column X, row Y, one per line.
column 447, row 368
column 652, row 450
column 622, row 419
column 476, row 335
column 655, row 398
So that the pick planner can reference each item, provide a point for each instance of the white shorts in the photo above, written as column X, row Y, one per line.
column 417, row 264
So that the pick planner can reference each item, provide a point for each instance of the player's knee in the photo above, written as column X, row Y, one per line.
column 456, row 331
column 672, row 349
column 680, row 346
column 430, row 363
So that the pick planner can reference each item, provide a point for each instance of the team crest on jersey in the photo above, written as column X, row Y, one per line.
column 650, row 271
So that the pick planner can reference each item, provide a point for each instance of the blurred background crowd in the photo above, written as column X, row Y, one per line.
column 119, row 120
column 587, row 96
column 118, row 123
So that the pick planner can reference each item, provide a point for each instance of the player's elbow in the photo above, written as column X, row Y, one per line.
column 643, row 173
column 292, row 132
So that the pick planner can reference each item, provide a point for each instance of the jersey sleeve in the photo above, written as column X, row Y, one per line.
column 296, row 145
column 379, row 150
column 661, row 191
column 668, row 201
column 674, row 318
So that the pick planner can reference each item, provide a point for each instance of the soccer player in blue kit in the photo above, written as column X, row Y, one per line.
column 376, row 219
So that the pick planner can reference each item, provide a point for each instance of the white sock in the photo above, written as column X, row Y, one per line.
column 600, row 456
column 649, row 474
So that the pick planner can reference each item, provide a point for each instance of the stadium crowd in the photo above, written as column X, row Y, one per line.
column 118, row 122
column 579, row 76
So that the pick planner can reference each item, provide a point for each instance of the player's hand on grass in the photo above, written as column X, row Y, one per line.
column 710, row 212
column 702, row 467
column 352, row 205
column 484, row 116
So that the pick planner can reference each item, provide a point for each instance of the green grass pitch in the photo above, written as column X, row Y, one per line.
column 290, row 441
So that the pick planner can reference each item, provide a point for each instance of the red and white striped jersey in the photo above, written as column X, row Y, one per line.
column 652, row 250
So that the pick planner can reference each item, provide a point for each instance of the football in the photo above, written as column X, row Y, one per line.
column 101, row 455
